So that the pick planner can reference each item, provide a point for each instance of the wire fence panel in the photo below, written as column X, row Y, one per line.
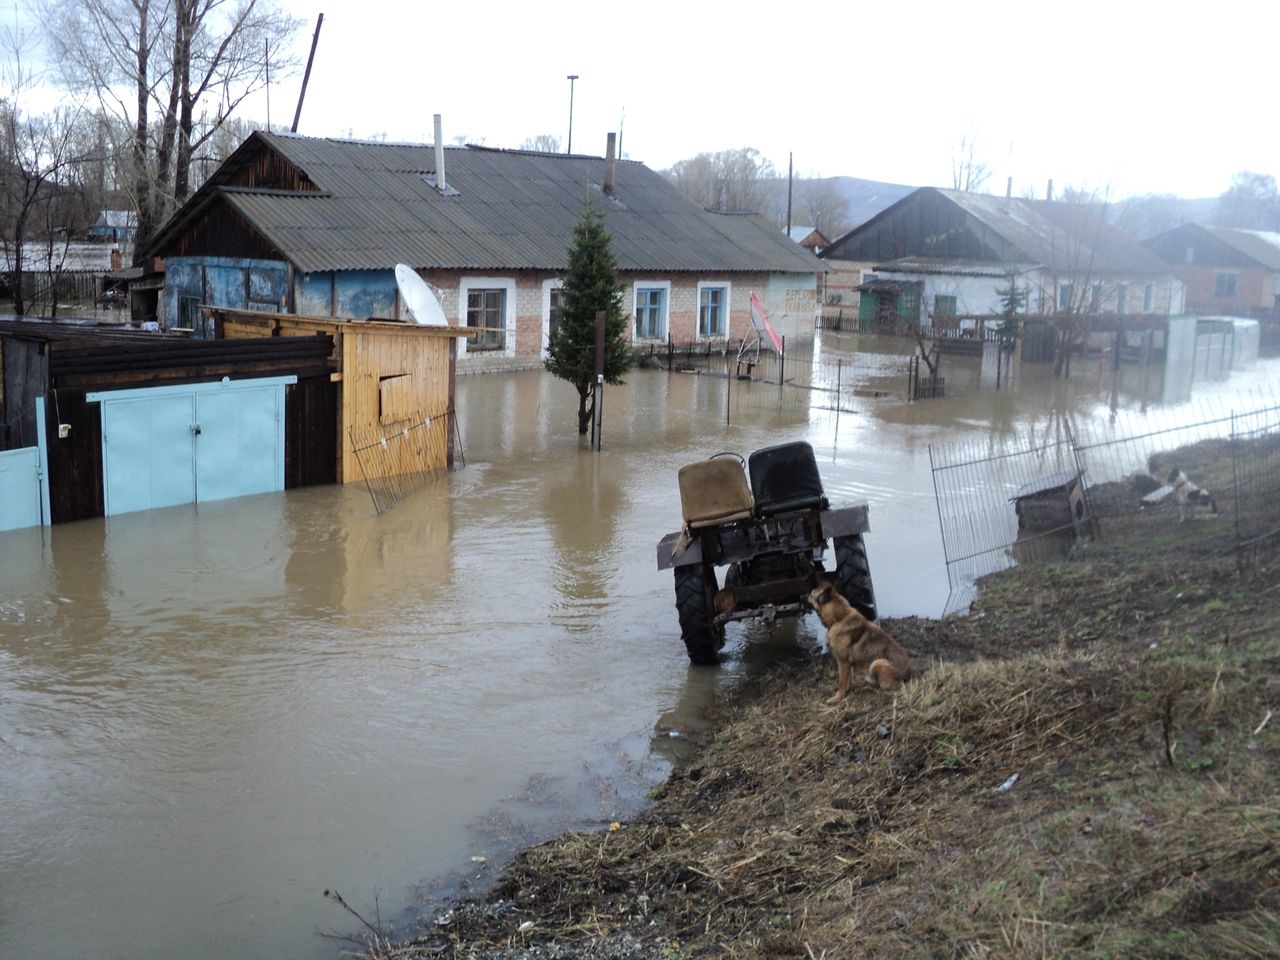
column 1143, row 474
column 390, row 460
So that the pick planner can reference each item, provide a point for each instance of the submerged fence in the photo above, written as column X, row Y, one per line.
column 838, row 368
column 388, row 458
column 1067, row 482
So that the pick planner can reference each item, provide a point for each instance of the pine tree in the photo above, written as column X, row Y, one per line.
column 590, row 285
column 1013, row 300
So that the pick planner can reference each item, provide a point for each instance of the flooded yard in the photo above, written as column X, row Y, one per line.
column 210, row 714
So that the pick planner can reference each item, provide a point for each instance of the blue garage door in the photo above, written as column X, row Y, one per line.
column 20, row 488
column 168, row 445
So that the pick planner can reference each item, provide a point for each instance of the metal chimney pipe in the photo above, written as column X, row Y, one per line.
column 610, row 164
column 440, row 182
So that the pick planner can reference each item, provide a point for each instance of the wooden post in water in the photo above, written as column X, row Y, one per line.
column 597, row 414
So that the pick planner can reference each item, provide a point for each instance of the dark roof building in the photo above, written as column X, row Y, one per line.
column 329, row 219
column 1226, row 271
column 947, row 253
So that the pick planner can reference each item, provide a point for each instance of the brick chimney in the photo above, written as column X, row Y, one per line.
column 117, row 261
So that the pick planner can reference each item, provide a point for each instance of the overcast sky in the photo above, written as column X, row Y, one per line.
column 1122, row 97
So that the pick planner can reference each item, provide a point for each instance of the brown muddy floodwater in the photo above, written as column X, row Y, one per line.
column 211, row 714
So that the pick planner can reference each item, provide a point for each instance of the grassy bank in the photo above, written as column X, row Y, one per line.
column 1087, row 767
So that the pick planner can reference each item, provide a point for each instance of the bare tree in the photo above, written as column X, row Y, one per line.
column 729, row 180
column 1252, row 202
column 542, row 143
column 156, row 65
column 1151, row 214
column 823, row 205
column 968, row 173
column 41, row 180
column 1072, row 290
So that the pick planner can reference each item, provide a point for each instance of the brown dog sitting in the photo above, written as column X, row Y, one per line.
column 857, row 643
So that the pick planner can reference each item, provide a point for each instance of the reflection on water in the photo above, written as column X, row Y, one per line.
column 211, row 713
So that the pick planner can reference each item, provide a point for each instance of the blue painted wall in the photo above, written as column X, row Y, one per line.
column 361, row 294
column 314, row 294
column 263, row 284
column 222, row 282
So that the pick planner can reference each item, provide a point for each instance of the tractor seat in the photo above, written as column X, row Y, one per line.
column 713, row 492
column 785, row 478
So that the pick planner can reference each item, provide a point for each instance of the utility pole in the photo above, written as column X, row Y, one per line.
column 571, row 77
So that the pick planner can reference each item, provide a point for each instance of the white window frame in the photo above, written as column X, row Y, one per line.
column 664, row 322
column 1065, row 291
column 556, row 283
column 728, row 299
column 1220, row 278
column 465, row 286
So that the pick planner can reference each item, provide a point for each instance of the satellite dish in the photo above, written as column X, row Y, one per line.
column 417, row 295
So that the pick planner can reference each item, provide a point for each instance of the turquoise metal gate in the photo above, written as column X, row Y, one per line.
column 163, row 446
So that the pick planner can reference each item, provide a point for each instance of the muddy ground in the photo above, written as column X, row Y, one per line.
column 1088, row 766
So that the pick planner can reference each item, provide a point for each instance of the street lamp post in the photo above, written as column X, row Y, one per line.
column 571, row 77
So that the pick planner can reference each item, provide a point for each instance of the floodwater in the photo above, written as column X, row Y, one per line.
column 209, row 715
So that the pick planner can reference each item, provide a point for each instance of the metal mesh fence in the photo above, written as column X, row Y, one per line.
column 391, row 460
column 1139, row 474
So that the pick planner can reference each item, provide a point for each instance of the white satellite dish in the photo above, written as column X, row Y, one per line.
column 417, row 295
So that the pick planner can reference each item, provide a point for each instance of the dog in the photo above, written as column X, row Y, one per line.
column 1188, row 496
column 856, row 642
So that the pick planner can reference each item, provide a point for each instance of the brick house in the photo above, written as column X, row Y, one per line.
column 1225, row 271
column 315, row 226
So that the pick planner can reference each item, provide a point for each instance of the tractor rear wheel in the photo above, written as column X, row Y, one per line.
column 853, row 575
column 695, row 605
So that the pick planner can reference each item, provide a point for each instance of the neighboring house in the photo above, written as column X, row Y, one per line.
column 811, row 238
column 114, row 226
column 316, row 226
column 1225, row 271
column 938, row 258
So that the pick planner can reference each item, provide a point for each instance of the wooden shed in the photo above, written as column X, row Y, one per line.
column 395, row 387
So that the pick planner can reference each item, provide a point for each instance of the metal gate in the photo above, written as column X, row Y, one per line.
column 24, row 492
column 163, row 446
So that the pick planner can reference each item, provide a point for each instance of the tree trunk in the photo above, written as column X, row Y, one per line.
column 142, row 182
column 19, row 301
column 182, row 81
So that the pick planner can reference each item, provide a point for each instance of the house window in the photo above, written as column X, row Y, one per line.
column 944, row 306
column 1064, row 296
column 1224, row 284
column 1122, row 298
column 651, row 312
column 486, row 312
column 553, row 311
column 909, row 304
column 713, row 311
column 1148, row 297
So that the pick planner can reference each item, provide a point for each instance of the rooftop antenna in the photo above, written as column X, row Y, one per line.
column 307, row 73
column 266, row 59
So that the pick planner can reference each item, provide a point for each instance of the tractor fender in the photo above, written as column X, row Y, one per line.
column 845, row 521
column 669, row 556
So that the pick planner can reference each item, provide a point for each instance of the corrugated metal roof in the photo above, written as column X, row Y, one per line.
column 376, row 206
column 1064, row 237
column 1260, row 245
